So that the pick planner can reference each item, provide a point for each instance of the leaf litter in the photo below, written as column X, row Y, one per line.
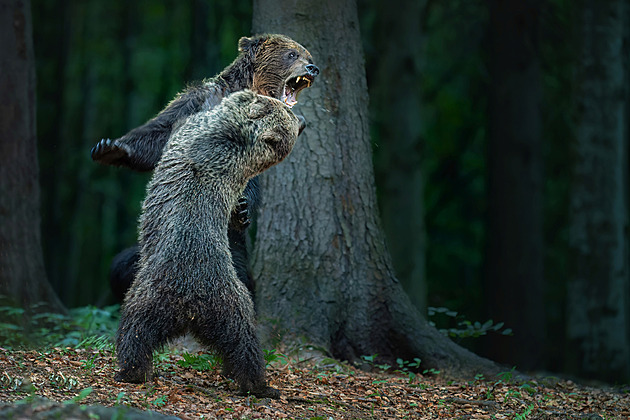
column 309, row 391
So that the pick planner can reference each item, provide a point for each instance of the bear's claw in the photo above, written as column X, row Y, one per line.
column 242, row 212
column 108, row 151
column 302, row 123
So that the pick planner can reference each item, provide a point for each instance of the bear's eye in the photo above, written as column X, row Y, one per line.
column 292, row 55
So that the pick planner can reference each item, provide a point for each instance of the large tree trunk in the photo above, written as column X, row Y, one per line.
column 22, row 274
column 598, row 317
column 323, row 272
column 514, row 286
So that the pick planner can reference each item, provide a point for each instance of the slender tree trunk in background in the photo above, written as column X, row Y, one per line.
column 323, row 272
column 51, row 145
column 22, row 274
column 514, row 284
column 598, row 318
column 102, row 77
column 398, row 121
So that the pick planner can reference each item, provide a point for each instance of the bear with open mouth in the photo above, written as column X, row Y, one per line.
column 270, row 64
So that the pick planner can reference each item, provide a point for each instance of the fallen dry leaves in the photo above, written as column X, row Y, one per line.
column 337, row 391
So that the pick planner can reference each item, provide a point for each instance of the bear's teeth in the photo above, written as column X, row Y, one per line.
column 288, row 96
column 304, row 79
column 289, row 101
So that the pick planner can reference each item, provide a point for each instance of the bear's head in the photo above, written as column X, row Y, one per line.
column 273, row 131
column 244, row 135
column 282, row 68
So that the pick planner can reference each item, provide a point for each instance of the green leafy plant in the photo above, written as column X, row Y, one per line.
column 61, row 381
column 30, row 397
column 99, row 342
column 272, row 356
column 120, row 398
column 10, row 330
column 526, row 413
column 465, row 328
column 507, row 375
column 34, row 327
column 201, row 361
column 162, row 360
column 431, row 371
column 504, row 377
column 405, row 367
column 159, row 401
column 88, row 364
column 83, row 394
column 371, row 360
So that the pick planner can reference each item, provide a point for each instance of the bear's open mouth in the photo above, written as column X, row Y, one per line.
column 293, row 87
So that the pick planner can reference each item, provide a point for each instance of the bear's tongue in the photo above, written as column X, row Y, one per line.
column 289, row 96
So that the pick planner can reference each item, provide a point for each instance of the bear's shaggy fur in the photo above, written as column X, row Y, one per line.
column 270, row 64
column 186, row 281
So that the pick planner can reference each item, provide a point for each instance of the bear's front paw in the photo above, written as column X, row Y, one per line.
column 109, row 151
column 241, row 213
column 302, row 124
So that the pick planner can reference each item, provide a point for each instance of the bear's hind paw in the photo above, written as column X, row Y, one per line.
column 132, row 377
column 264, row 392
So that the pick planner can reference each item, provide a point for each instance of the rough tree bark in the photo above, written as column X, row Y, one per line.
column 514, row 278
column 598, row 307
column 22, row 274
column 323, row 272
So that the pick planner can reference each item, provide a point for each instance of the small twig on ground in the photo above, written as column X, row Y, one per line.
column 473, row 402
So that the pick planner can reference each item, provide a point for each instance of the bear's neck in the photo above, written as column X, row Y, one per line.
column 239, row 75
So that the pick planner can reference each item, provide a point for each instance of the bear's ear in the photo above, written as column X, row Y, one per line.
column 251, row 44
column 269, row 137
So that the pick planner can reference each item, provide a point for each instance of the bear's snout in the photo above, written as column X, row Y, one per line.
column 312, row 70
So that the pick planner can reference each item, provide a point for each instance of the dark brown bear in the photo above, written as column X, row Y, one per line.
column 272, row 65
column 186, row 282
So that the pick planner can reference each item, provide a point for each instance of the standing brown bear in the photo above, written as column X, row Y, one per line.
column 272, row 65
column 186, row 282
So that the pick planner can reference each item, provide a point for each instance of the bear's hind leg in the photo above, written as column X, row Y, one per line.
column 141, row 331
column 232, row 332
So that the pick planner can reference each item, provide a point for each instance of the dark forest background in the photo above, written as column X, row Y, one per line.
column 436, row 72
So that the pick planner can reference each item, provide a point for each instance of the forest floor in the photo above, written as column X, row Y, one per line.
column 84, row 378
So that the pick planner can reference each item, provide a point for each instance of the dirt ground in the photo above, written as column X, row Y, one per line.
column 328, row 391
